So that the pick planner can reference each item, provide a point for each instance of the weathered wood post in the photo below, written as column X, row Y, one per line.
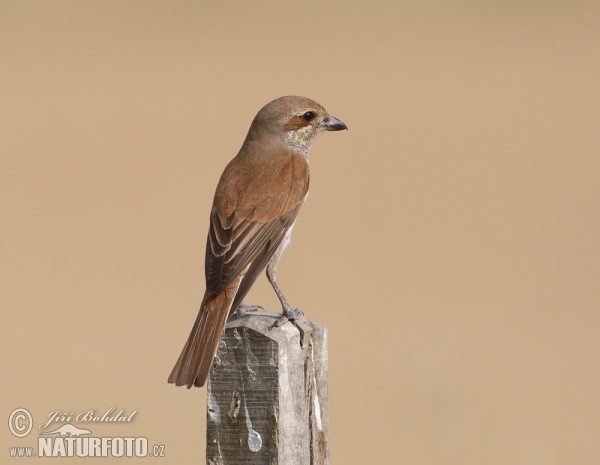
column 267, row 394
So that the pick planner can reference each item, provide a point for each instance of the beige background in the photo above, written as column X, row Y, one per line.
column 450, row 242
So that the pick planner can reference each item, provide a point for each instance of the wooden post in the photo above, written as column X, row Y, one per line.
column 267, row 394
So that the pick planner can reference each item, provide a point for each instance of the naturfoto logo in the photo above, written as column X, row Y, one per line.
column 69, row 440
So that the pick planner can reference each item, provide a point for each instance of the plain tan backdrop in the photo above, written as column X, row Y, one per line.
column 450, row 243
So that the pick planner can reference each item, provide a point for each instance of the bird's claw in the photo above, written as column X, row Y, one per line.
column 291, row 314
column 280, row 321
column 287, row 314
column 243, row 309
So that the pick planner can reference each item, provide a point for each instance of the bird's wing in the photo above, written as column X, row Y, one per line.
column 248, row 224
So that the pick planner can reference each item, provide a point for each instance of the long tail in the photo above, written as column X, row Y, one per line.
column 197, row 355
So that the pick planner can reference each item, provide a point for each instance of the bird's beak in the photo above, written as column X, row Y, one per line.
column 331, row 123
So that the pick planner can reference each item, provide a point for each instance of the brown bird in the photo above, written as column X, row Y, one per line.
column 254, row 210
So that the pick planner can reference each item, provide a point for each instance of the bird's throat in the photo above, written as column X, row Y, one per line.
column 301, row 140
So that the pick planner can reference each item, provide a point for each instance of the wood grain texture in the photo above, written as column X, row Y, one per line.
column 270, row 382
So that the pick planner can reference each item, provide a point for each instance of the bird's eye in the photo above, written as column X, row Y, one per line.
column 308, row 116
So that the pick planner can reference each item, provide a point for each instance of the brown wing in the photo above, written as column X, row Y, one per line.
column 255, row 204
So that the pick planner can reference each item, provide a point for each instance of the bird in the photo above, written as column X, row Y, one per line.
column 256, row 203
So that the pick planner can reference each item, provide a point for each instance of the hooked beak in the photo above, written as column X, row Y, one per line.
column 331, row 123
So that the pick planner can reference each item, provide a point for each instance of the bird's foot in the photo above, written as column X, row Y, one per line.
column 288, row 314
column 243, row 309
column 291, row 314
column 297, row 318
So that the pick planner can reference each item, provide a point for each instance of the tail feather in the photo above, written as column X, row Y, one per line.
column 196, row 358
column 212, row 342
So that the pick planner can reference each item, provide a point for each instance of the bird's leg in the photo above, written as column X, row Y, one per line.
column 288, row 313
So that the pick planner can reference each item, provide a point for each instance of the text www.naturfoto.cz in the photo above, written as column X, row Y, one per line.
column 21, row 451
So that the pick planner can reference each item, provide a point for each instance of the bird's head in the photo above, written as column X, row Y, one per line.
column 295, row 121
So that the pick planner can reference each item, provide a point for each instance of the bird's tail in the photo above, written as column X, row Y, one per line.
column 196, row 358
